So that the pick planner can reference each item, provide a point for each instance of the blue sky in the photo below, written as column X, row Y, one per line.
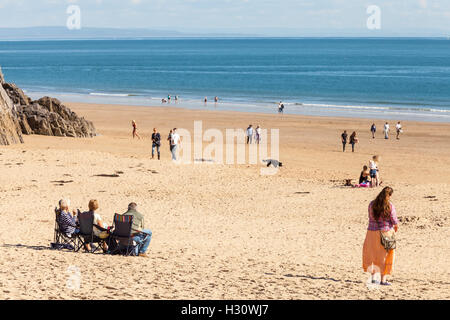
column 299, row 17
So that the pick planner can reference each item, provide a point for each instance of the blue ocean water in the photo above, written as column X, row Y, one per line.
column 380, row 78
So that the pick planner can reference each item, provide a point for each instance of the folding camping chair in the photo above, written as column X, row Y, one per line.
column 86, row 234
column 121, row 240
column 62, row 240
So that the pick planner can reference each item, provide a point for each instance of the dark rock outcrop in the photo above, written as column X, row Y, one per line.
column 46, row 116
column 16, row 94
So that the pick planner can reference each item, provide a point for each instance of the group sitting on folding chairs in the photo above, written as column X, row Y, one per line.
column 82, row 230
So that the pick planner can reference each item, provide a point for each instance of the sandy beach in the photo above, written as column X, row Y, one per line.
column 226, row 231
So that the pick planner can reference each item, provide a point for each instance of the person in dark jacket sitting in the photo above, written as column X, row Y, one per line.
column 67, row 222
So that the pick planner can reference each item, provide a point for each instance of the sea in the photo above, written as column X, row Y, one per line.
column 375, row 78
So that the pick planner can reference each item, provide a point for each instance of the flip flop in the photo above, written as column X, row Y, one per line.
column 385, row 283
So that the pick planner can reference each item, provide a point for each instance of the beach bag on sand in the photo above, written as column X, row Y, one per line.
column 388, row 242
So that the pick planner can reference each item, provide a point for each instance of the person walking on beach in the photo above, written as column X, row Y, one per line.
column 373, row 129
column 353, row 140
column 249, row 134
column 374, row 172
column 398, row 128
column 383, row 225
column 169, row 138
column 386, row 130
column 344, row 140
column 258, row 134
column 175, row 142
column 135, row 134
column 156, row 143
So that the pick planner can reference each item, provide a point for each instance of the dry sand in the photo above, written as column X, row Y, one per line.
column 225, row 231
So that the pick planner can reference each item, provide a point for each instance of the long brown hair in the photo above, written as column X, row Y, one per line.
column 381, row 206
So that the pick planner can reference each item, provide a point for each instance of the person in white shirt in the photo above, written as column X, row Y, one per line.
column 386, row 130
column 374, row 172
column 258, row 134
column 399, row 130
column 175, row 142
column 249, row 134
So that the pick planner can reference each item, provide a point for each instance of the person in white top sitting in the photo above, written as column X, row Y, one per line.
column 399, row 130
column 175, row 142
column 386, row 130
column 93, row 206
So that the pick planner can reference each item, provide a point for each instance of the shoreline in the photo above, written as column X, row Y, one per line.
column 379, row 112
column 275, row 116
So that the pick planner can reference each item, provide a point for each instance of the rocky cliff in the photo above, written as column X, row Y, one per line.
column 10, row 130
column 46, row 116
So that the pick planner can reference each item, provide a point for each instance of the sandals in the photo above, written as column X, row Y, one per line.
column 385, row 283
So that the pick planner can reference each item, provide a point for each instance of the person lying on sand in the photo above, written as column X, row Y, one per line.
column 273, row 162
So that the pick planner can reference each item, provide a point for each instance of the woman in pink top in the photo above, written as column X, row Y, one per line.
column 382, row 219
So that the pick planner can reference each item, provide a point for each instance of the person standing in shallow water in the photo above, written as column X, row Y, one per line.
column 382, row 219
column 344, row 140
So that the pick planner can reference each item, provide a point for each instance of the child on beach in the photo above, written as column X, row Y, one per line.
column 374, row 171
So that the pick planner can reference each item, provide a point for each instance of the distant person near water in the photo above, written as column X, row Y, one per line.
column 386, row 130
column 249, row 134
column 280, row 108
column 380, row 244
column 344, row 136
column 398, row 128
column 135, row 134
column 156, row 143
column 373, row 129
column 206, row 100
column 353, row 140
column 216, row 99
